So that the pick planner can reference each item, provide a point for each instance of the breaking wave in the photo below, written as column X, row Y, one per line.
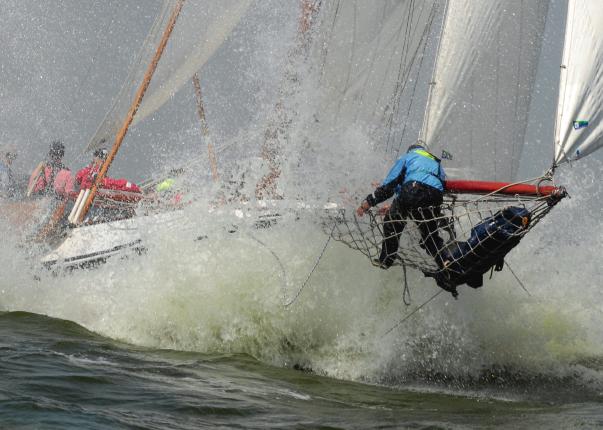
column 207, row 286
column 214, row 283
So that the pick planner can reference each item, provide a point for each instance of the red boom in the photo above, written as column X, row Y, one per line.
column 484, row 187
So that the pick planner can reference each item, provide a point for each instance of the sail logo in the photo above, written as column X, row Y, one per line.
column 580, row 124
column 446, row 155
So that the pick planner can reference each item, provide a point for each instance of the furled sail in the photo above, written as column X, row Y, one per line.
column 483, row 80
column 367, row 52
column 579, row 127
column 203, row 26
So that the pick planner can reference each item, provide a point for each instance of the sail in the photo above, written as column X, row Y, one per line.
column 368, row 54
column 579, row 128
column 107, row 129
column 203, row 26
column 485, row 72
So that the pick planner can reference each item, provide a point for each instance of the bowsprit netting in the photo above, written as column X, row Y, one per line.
column 476, row 232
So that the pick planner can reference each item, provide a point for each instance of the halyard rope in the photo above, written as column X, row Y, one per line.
column 278, row 260
column 411, row 314
column 517, row 279
column 406, row 292
column 324, row 248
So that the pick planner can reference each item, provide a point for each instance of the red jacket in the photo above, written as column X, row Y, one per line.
column 86, row 176
column 42, row 178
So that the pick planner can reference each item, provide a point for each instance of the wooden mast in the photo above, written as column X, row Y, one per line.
column 133, row 109
column 204, row 129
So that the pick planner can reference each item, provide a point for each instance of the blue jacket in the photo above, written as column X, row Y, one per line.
column 417, row 165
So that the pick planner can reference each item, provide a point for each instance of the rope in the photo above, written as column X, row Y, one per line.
column 324, row 248
column 471, row 243
column 517, row 279
column 406, row 292
column 538, row 179
column 278, row 260
column 411, row 314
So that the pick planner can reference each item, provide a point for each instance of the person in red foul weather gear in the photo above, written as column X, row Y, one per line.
column 43, row 179
column 86, row 176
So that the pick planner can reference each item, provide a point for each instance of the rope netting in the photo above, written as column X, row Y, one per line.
column 464, row 237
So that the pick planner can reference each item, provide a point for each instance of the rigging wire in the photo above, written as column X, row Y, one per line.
column 110, row 123
column 406, row 292
column 518, row 87
column 325, row 50
column 278, row 260
column 401, row 72
column 405, row 72
column 417, row 309
column 318, row 260
column 414, row 90
column 517, row 279
column 370, row 68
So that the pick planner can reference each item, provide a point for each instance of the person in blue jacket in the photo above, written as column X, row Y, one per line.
column 417, row 180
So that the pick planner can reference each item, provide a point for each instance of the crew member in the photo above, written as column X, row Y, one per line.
column 43, row 178
column 86, row 176
column 417, row 180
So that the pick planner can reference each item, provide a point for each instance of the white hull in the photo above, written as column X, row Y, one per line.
column 88, row 245
column 95, row 243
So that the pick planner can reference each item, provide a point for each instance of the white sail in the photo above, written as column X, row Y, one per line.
column 579, row 127
column 366, row 52
column 202, row 27
column 107, row 129
column 483, row 81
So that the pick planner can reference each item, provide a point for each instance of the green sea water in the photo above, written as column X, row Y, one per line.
column 57, row 375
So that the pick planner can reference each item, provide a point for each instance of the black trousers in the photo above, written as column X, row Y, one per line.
column 422, row 204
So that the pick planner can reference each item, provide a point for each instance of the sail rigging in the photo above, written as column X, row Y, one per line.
column 483, row 83
column 579, row 123
column 369, row 54
column 476, row 118
column 120, row 105
column 202, row 28
column 88, row 195
column 211, row 153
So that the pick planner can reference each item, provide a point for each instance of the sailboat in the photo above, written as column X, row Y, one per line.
column 476, row 116
column 199, row 29
column 90, row 241
column 460, row 74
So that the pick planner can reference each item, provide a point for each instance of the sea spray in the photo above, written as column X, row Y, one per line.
column 212, row 282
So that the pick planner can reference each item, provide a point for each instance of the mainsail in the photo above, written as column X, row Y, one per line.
column 202, row 28
column 483, row 81
column 579, row 126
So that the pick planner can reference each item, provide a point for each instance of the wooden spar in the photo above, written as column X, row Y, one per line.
column 204, row 129
column 309, row 7
column 133, row 109
column 486, row 187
